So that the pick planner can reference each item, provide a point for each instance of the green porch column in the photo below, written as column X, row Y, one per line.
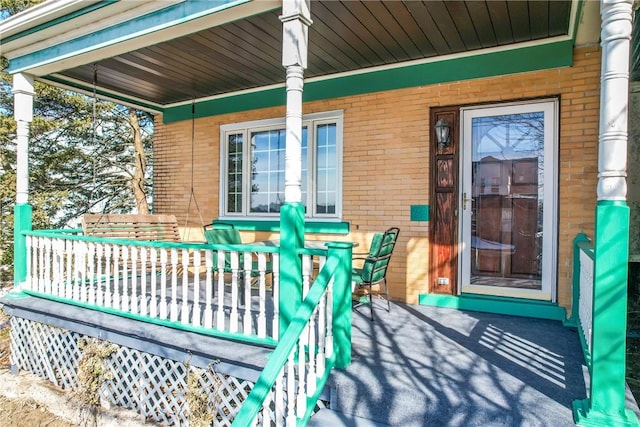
column 21, row 222
column 291, row 240
column 342, row 302
column 23, row 114
column 295, row 18
column 606, row 403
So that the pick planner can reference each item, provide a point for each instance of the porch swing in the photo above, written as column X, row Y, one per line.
column 124, row 226
column 192, row 194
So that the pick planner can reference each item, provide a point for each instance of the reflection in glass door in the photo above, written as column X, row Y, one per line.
column 508, row 200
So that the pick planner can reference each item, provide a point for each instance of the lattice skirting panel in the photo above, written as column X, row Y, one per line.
column 155, row 387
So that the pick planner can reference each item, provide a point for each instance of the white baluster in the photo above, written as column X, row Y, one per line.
column 278, row 399
column 322, row 335
column 91, row 280
column 220, row 322
column 233, row 321
column 174, row 285
column 34, row 264
column 68, row 259
column 41, row 264
column 301, row 405
column 275, row 324
column 185, row 287
column 77, row 262
column 311, row 370
column 124, row 297
column 83, row 281
column 153, row 308
column 307, row 266
column 107, row 274
column 99, row 276
column 266, row 411
column 291, row 391
column 262, row 295
column 116, row 277
column 248, row 265
column 47, row 266
column 143, row 281
column 195, row 317
column 163, row 283
column 133, row 300
column 329, row 310
column 57, row 267
column 208, row 311
column 29, row 278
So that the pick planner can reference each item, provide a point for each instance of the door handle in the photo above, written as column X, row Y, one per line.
column 465, row 199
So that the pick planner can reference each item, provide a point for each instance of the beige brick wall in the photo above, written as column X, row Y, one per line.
column 386, row 160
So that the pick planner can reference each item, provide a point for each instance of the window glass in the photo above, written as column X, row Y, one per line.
column 327, row 173
column 254, row 166
column 234, row 173
column 267, row 175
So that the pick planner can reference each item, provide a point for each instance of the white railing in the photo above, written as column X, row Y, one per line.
column 585, row 307
column 219, row 289
column 286, row 392
column 583, row 287
column 306, row 363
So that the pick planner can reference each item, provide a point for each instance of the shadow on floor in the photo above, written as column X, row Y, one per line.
column 419, row 366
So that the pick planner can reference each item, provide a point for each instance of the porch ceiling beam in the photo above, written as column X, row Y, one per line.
column 134, row 32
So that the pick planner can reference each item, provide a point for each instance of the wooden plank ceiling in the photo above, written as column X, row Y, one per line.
column 345, row 36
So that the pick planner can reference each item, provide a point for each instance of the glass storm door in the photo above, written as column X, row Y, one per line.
column 508, row 200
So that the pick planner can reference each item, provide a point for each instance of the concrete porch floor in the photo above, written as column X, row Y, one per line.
column 415, row 366
column 430, row 366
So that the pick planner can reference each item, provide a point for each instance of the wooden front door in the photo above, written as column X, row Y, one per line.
column 443, row 222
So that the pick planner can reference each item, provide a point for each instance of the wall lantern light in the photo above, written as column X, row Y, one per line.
column 442, row 133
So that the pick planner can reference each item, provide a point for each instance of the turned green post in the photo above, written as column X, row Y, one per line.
column 605, row 405
column 22, row 214
column 342, row 302
column 291, row 241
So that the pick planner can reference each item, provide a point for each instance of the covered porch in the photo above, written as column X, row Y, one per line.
column 290, row 333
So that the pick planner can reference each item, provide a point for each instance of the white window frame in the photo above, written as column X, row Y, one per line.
column 310, row 121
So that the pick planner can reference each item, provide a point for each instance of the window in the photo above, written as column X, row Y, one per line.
column 253, row 167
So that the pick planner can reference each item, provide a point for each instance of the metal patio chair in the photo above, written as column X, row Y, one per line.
column 226, row 234
column 374, row 265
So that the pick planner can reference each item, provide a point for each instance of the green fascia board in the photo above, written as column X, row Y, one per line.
column 57, row 21
column 313, row 227
column 160, row 19
column 486, row 64
column 101, row 93
column 497, row 305
column 272, row 97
